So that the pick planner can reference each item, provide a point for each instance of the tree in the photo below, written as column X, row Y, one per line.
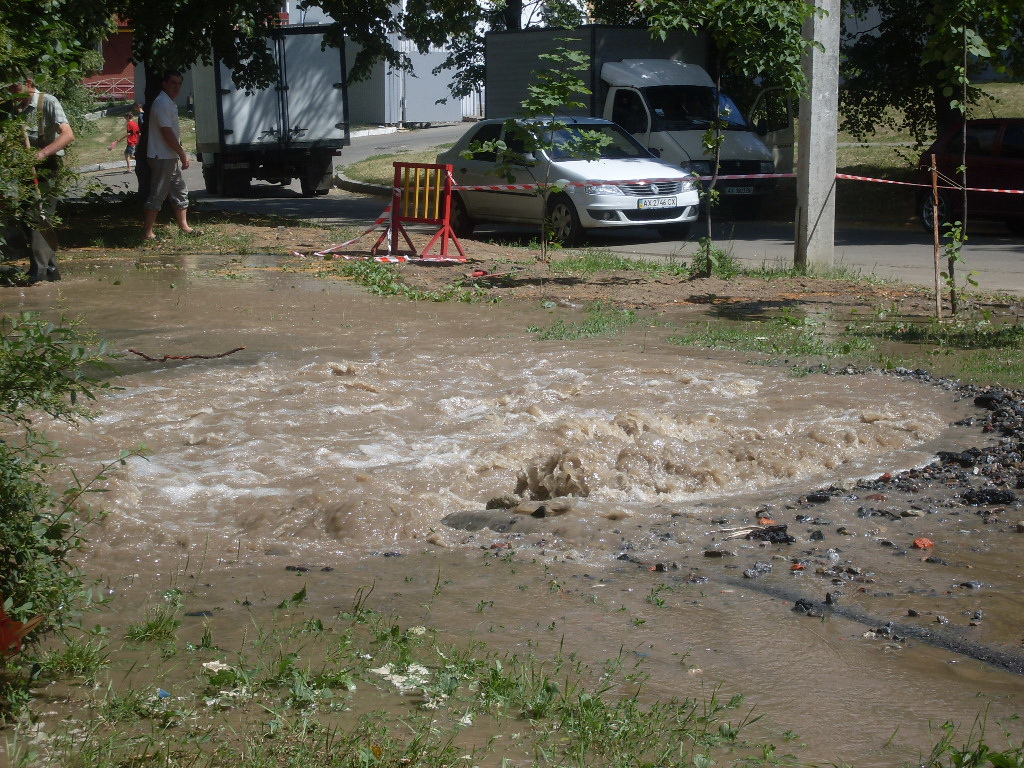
column 53, row 41
column 175, row 33
column 900, row 63
column 751, row 39
column 54, row 37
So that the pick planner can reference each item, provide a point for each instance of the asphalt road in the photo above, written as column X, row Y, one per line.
column 991, row 256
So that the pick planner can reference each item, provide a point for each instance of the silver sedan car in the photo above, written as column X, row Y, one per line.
column 623, row 186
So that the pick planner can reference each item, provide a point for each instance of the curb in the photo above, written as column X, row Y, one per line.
column 349, row 185
column 99, row 167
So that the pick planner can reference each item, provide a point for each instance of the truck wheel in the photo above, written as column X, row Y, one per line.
column 460, row 222
column 310, row 187
column 926, row 210
column 317, row 177
column 563, row 222
column 210, row 178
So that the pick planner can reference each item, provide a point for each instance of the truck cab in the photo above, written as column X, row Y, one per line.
column 669, row 105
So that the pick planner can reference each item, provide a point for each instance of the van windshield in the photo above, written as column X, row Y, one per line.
column 690, row 107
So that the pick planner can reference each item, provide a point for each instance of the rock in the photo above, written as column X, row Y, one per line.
column 760, row 569
column 807, row 608
column 550, row 508
column 776, row 534
column 988, row 496
column 507, row 501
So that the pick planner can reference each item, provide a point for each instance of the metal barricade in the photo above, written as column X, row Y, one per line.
column 422, row 194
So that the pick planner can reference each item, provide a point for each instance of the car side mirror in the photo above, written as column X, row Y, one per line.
column 656, row 151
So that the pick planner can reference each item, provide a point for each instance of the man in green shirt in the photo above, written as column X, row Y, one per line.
column 48, row 132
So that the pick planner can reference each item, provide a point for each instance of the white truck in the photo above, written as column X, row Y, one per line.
column 291, row 129
column 659, row 92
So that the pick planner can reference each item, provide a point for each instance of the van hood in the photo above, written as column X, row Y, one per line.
column 738, row 145
column 631, row 169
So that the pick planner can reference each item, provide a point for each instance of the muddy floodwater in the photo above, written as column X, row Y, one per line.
column 369, row 436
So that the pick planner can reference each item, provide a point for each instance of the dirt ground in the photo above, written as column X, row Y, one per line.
column 511, row 271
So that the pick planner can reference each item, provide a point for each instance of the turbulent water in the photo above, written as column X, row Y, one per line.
column 355, row 428
column 350, row 425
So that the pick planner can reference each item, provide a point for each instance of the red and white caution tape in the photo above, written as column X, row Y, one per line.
column 385, row 216
column 927, row 186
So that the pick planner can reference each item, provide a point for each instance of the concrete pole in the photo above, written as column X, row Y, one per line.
column 816, row 153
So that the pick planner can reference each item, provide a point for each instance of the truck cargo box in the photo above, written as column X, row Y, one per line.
column 291, row 129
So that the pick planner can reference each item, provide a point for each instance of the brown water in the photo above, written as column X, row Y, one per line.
column 352, row 425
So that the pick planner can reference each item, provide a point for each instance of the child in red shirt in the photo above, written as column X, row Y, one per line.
column 132, row 137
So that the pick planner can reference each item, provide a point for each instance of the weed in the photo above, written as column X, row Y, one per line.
column 589, row 262
column 80, row 657
column 654, row 596
column 785, row 336
column 161, row 622
column 382, row 280
column 601, row 320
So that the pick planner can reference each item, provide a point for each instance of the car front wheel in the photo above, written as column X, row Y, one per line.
column 563, row 222
column 926, row 210
column 459, row 219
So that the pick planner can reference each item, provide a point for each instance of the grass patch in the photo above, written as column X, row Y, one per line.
column 787, row 336
column 590, row 262
column 379, row 169
column 601, row 320
column 91, row 148
column 383, row 280
column 359, row 688
column 93, row 224
column 978, row 351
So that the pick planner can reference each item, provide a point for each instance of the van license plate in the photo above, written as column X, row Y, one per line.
column 657, row 202
column 739, row 190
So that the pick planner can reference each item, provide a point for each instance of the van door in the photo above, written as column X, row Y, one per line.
column 629, row 110
column 772, row 118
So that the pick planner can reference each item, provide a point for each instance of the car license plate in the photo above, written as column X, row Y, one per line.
column 657, row 202
column 739, row 190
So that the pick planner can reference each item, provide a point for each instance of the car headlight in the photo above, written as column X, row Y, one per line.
column 601, row 189
column 700, row 167
column 767, row 166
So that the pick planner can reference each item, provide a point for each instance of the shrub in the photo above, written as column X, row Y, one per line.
column 49, row 370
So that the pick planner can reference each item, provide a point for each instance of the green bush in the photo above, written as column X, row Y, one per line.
column 45, row 370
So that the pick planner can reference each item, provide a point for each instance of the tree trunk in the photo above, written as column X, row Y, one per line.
column 513, row 15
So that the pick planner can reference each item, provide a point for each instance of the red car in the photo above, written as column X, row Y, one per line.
column 994, row 161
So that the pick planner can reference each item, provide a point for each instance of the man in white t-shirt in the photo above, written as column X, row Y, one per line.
column 164, row 151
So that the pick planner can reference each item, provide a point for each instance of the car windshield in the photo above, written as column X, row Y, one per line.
column 579, row 141
column 688, row 107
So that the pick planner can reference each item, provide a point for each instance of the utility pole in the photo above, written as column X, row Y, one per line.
column 816, row 153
